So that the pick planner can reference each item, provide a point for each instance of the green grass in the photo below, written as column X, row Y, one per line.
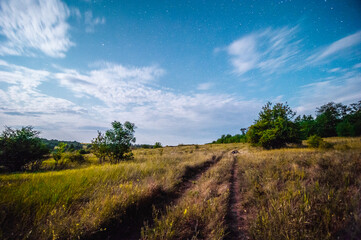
column 77, row 202
column 290, row 193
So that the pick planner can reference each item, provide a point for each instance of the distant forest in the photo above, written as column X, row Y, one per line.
column 71, row 145
column 332, row 119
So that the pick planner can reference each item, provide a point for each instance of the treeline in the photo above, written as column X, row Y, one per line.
column 231, row 139
column 70, row 145
column 278, row 125
column 332, row 119
column 22, row 149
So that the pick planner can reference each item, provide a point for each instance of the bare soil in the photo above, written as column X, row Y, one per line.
column 235, row 216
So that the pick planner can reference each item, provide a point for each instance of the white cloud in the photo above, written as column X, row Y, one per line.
column 91, row 22
column 358, row 65
column 205, row 86
column 22, row 94
column 345, row 89
column 267, row 51
column 336, row 47
column 333, row 70
column 125, row 94
column 34, row 25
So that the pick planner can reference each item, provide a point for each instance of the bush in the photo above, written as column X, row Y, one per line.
column 317, row 142
column 83, row 151
column 314, row 141
column 74, row 157
column 21, row 149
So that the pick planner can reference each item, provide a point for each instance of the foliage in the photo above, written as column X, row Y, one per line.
column 157, row 145
column 100, row 147
column 274, row 127
column 58, row 152
column 314, row 141
column 307, row 126
column 238, row 138
column 115, row 143
column 332, row 119
column 74, row 157
column 328, row 116
column 119, row 140
column 53, row 143
column 21, row 149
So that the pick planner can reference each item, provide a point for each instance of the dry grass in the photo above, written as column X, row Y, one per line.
column 200, row 213
column 77, row 202
column 291, row 193
column 303, row 193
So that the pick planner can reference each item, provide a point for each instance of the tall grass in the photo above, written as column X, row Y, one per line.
column 302, row 193
column 75, row 203
column 200, row 213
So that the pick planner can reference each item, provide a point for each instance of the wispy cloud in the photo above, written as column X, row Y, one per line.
column 34, row 25
column 22, row 94
column 205, row 86
column 336, row 47
column 123, row 93
column 91, row 22
column 267, row 51
column 345, row 89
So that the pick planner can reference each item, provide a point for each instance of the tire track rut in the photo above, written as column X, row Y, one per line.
column 234, row 218
column 130, row 225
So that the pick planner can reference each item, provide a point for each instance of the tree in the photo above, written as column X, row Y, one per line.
column 307, row 126
column 99, row 147
column 58, row 152
column 328, row 116
column 115, row 143
column 157, row 145
column 21, row 149
column 274, row 128
column 351, row 123
column 119, row 140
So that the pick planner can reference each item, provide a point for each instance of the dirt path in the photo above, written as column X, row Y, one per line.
column 136, row 216
column 234, row 216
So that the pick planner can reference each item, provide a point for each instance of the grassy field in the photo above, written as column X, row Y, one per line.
column 291, row 193
column 303, row 193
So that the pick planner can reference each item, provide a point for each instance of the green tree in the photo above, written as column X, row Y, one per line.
column 21, row 149
column 157, row 145
column 328, row 116
column 274, row 127
column 351, row 123
column 115, row 143
column 307, row 126
column 119, row 140
column 100, row 147
column 58, row 152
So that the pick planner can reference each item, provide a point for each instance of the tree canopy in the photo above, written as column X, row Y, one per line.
column 332, row 119
column 21, row 148
column 274, row 127
column 115, row 143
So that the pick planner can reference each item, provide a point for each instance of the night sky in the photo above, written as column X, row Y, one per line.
column 182, row 71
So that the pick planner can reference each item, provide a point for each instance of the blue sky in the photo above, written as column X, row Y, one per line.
column 182, row 71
